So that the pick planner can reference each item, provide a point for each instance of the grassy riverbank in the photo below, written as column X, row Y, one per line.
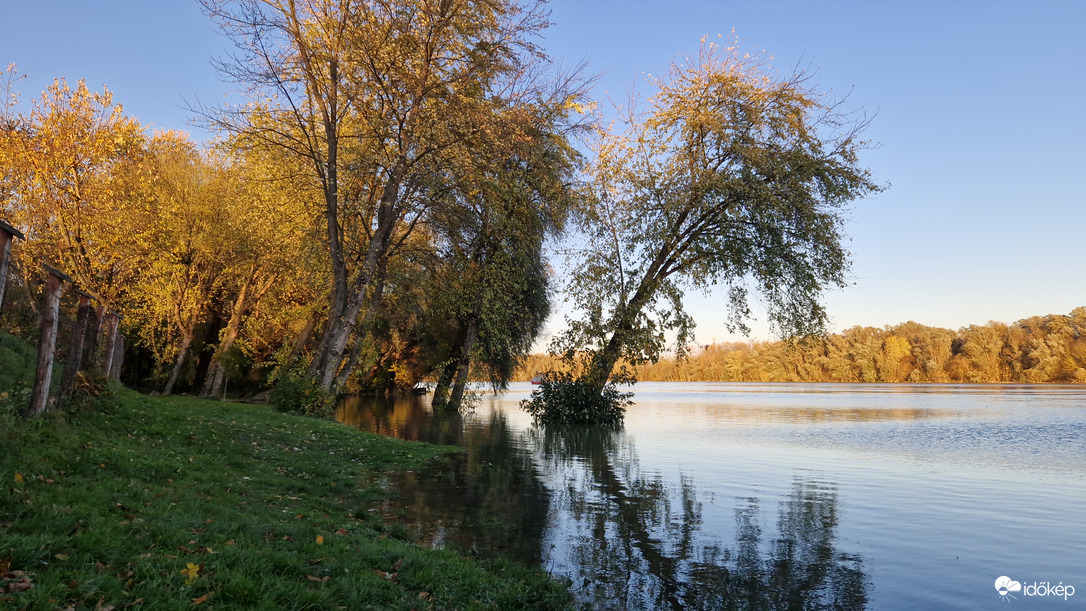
column 167, row 503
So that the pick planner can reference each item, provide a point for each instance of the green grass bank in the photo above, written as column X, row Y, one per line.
column 174, row 503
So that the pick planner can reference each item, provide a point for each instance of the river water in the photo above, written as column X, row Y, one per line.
column 767, row 496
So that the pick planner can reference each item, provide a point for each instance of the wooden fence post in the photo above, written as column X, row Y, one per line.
column 90, row 341
column 91, row 361
column 118, row 355
column 47, row 343
column 7, row 236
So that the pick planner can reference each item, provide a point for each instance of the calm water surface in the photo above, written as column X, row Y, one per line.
column 767, row 496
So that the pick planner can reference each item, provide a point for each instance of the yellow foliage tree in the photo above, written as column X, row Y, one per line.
column 75, row 171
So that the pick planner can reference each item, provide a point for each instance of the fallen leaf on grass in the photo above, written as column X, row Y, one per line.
column 317, row 579
column 22, row 585
column 320, row 539
column 202, row 599
column 192, row 571
column 14, row 581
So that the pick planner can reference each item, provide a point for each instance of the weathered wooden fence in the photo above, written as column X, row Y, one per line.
column 95, row 345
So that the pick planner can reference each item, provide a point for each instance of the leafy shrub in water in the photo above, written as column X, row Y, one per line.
column 562, row 398
column 297, row 392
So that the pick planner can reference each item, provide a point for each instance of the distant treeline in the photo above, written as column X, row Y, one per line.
column 1033, row 350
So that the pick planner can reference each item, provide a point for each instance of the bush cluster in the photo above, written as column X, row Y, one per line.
column 562, row 398
column 295, row 391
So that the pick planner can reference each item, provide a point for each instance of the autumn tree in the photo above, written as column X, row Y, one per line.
column 376, row 96
column 1039, row 349
column 265, row 251
column 184, row 253
column 495, row 277
column 73, row 168
column 292, row 57
column 12, row 125
column 734, row 176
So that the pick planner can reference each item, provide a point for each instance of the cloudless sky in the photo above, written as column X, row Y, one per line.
column 978, row 111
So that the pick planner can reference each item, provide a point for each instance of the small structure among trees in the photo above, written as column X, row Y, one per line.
column 7, row 236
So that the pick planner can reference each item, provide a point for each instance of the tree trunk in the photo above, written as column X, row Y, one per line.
column 179, row 363
column 216, row 370
column 303, row 338
column 603, row 362
column 328, row 170
column 247, row 298
column 464, row 366
column 334, row 342
column 451, row 369
column 444, row 382
column 337, row 310
column 363, row 327
column 79, row 338
column 339, row 329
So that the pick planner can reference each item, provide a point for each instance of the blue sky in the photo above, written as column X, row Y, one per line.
column 979, row 114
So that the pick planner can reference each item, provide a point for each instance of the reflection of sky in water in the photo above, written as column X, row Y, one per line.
column 935, row 490
column 1006, row 427
column 946, row 486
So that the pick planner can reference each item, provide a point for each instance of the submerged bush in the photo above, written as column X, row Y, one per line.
column 562, row 398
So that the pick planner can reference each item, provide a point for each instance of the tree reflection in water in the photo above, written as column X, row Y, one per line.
column 640, row 545
column 625, row 539
column 488, row 500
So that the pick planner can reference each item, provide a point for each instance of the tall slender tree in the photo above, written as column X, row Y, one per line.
column 496, row 277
